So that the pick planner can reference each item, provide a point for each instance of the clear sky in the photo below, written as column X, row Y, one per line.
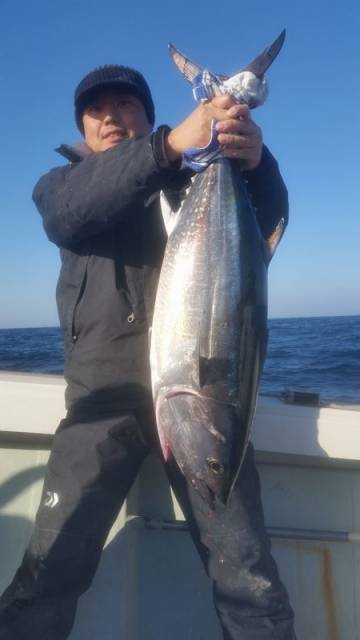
column 310, row 122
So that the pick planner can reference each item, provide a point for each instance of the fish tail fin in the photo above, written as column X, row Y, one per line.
column 262, row 62
column 186, row 67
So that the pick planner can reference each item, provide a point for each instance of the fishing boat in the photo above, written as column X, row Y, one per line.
column 150, row 583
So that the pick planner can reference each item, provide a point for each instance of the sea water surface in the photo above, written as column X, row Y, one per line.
column 321, row 355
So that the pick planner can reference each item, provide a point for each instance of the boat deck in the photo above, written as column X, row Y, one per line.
column 150, row 583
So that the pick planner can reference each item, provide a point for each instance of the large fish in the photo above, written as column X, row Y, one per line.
column 209, row 330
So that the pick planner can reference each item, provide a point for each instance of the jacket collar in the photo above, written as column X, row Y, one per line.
column 74, row 152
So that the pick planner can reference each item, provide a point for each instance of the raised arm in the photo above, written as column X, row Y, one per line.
column 242, row 140
column 268, row 193
column 88, row 197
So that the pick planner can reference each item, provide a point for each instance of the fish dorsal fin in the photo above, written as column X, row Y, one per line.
column 262, row 62
column 270, row 245
column 188, row 68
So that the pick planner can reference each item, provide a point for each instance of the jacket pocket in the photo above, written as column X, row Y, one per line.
column 69, row 292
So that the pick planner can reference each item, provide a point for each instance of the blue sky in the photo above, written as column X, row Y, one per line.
column 310, row 122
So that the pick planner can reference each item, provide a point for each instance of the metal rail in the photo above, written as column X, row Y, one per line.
column 286, row 533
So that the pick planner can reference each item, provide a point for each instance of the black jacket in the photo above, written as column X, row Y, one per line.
column 103, row 211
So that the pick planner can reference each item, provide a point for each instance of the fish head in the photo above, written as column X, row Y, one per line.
column 197, row 431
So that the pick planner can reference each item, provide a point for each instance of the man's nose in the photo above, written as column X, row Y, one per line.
column 111, row 113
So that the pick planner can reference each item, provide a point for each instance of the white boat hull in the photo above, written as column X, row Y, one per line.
column 150, row 583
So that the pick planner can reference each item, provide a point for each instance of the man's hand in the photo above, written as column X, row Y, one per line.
column 239, row 135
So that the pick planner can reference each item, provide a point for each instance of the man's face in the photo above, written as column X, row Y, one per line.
column 113, row 116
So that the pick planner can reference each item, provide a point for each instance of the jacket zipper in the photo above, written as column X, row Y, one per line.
column 74, row 335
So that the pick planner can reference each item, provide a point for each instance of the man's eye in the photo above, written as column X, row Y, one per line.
column 93, row 108
column 124, row 102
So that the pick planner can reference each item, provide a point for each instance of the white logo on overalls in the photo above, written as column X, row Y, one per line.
column 51, row 499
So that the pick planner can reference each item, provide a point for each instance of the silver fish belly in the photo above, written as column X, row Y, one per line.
column 209, row 331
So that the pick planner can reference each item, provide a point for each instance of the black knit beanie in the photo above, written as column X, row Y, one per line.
column 112, row 76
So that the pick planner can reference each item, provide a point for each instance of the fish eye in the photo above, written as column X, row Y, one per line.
column 215, row 466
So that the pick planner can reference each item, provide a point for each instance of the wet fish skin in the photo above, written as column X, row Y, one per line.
column 209, row 331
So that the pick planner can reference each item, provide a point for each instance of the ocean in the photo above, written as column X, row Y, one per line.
column 320, row 355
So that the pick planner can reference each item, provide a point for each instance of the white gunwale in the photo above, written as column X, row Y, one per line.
column 33, row 404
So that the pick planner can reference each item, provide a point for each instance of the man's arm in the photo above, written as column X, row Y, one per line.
column 268, row 193
column 89, row 197
column 86, row 198
column 242, row 140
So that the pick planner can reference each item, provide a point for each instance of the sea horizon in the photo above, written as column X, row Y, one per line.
column 312, row 317
column 320, row 354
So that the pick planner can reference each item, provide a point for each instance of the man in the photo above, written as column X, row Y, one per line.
column 103, row 212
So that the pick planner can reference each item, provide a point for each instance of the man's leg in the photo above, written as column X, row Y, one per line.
column 92, row 464
column 250, row 600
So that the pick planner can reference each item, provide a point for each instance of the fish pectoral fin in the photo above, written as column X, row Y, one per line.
column 212, row 370
column 271, row 243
